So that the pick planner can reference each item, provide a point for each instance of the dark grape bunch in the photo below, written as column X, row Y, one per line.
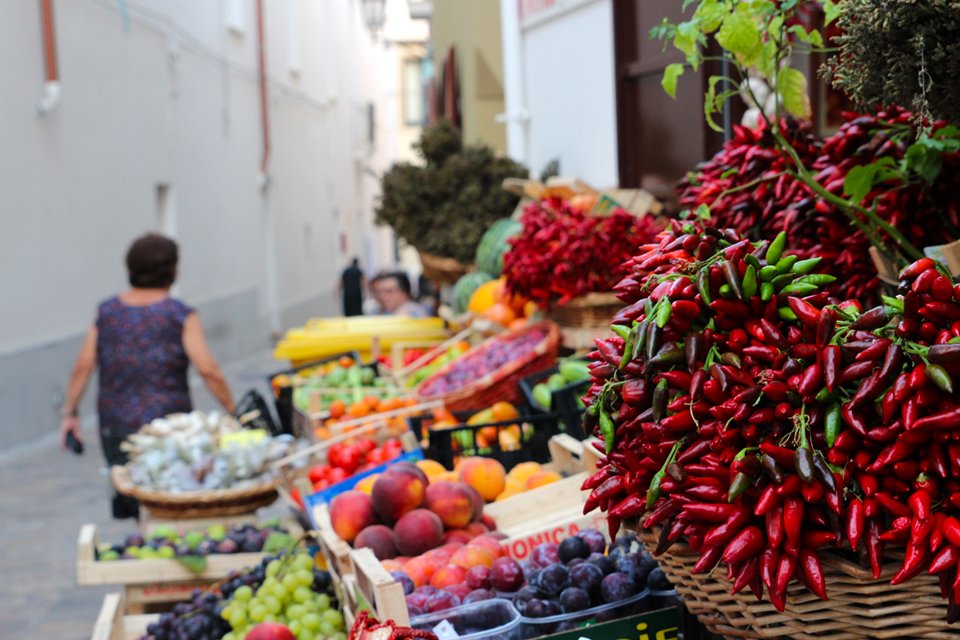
column 198, row 619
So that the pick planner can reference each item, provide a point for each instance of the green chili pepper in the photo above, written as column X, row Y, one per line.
column 703, row 285
column 832, row 424
column 776, row 247
column 800, row 288
column 628, row 346
column 939, row 376
column 752, row 260
column 781, row 281
column 806, row 266
column 818, row 279
column 640, row 341
column 824, row 395
column 663, row 312
column 786, row 263
column 741, row 482
column 768, row 273
column 894, row 304
column 766, row 291
column 726, row 291
column 786, row 313
column 653, row 492
column 607, row 429
column 749, row 285
column 620, row 330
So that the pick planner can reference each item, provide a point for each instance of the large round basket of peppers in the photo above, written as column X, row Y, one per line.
column 793, row 459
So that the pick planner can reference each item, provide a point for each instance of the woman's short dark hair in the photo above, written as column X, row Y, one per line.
column 152, row 262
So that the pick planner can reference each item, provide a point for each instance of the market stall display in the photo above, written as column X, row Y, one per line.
column 166, row 566
column 558, row 390
column 489, row 372
column 199, row 465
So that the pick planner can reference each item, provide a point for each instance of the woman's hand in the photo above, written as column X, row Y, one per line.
column 69, row 424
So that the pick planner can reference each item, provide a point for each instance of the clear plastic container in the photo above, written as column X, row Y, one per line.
column 663, row 599
column 536, row 627
column 494, row 619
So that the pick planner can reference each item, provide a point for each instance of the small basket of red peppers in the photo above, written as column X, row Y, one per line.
column 771, row 428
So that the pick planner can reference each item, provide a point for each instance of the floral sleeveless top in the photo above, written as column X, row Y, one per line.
column 142, row 363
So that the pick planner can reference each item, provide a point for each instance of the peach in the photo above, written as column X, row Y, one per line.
column 472, row 556
column 490, row 543
column 457, row 535
column 439, row 554
column 419, row 570
column 488, row 521
column 448, row 575
column 452, row 501
column 379, row 539
column 418, row 531
column 432, row 468
column 476, row 529
column 522, row 471
column 412, row 468
column 485, row 475
column 541, row 478
column 478, row 503
column 350, row 513
column 391, row 565
column 398, row 491
column 366, row 485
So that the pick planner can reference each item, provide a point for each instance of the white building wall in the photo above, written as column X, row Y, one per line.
column 559, row 85
column 167, row 94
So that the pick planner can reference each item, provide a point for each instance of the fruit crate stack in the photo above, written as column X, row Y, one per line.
column 167, row 567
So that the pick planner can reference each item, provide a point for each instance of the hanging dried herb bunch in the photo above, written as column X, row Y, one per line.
column 443, row 206
column 900, row 53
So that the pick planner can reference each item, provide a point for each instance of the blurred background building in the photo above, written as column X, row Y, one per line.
column 120, row 117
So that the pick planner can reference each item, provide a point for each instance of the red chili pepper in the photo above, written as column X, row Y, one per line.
column 946, row 559
column 874, row 547
column 920, row 503
column 769, row 560
column 817, row 539
column 773, row 521
column 792, row 523
column 709, row 512
column 768, row 500
column 892, row 505
column 785, row 570
column 782, row 455
column 831, row 365
column 813, row 573
column 853, row 420
column 914, row 562
column 936, row 533
column 854, row 522
column 806, row 313
column 746, row 544
column 951, row 530
column 710, row 556
column 947, row 419
column 720, row 535
column 594, row 480
column 856, row 371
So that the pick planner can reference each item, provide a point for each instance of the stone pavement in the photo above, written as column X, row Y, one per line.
column 46, row 494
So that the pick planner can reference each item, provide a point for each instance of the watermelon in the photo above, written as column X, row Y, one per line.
column 465, row 286
column 494, row 244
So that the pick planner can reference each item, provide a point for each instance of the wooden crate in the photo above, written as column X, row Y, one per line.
column 152, row 581
column 372, row 587
column 148, row 522
column 112, row 624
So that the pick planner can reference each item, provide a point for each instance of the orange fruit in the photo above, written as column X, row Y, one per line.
column 372, row 401
column 500, row 313
column 517, row 324
column 431, row 467
column 541, row 478
column 485, row 296
column 529, row 309
column 503, row 411
column 521, row 472
column 338, row 408
column 359, row 409
column 345, row 362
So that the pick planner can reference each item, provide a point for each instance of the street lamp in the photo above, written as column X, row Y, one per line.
column 373, row 14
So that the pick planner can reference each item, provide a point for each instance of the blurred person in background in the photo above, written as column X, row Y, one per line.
column 352, row 283
column 143, row 342
column 394, row 295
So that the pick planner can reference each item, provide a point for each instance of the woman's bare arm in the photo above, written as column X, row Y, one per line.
column 84, row 366
column 206, row 365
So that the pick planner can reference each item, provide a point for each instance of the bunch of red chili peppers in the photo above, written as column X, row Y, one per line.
column 747, row 187
column 752, row 415
column 564, row 253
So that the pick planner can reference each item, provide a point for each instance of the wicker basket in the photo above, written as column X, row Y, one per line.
column 504, row 383
column 195, row 504
column 859, row 606
column 443, row 270
column 591, row 310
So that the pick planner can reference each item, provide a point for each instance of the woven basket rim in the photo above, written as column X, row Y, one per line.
column 120, row 476
column 593, row 299
column 549, row 344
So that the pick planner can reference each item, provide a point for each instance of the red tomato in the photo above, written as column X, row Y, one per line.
column 317, row 473
column 377, row 456
column 366, row 445
column 321, row 485
column 336, row 475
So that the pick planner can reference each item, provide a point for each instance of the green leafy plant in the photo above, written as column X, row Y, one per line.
column 761, row 38
column 444, row 205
